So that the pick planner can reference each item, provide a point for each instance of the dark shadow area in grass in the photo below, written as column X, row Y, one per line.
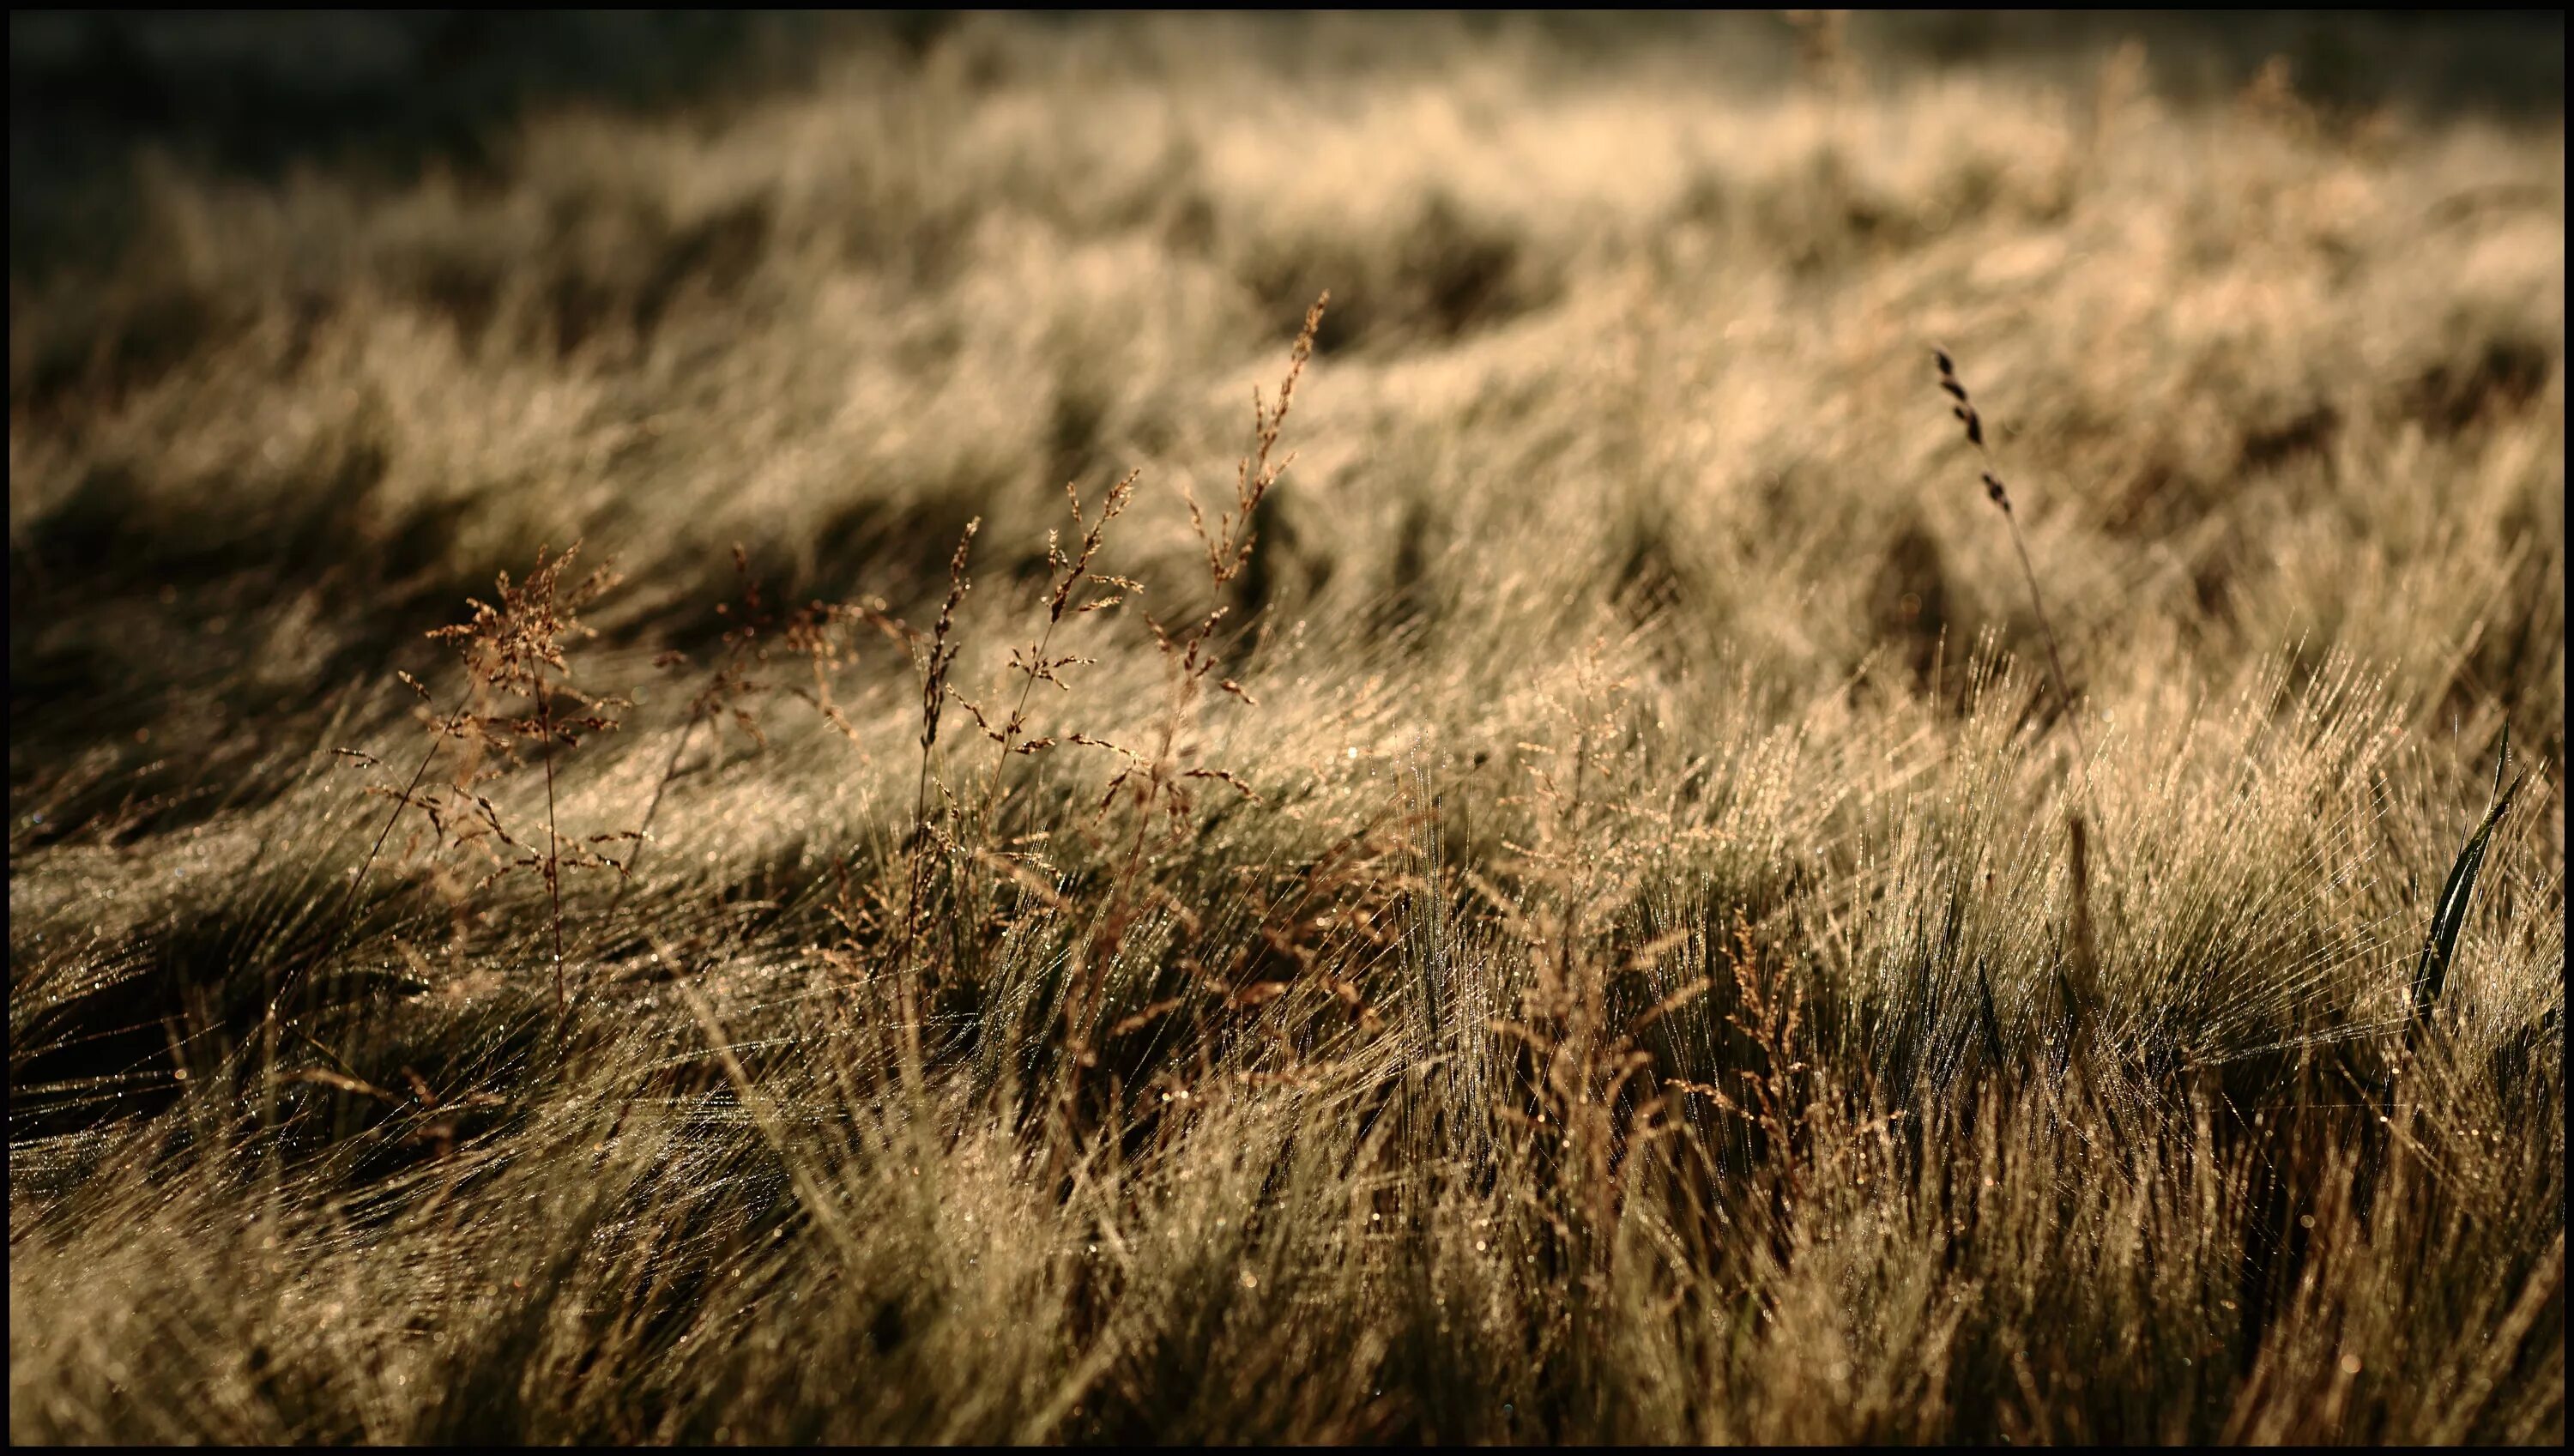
column 263, row 94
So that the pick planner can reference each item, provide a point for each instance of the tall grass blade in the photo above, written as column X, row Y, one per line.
column 2449, row 916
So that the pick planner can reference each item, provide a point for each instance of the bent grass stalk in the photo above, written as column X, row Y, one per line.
column 1963, row 407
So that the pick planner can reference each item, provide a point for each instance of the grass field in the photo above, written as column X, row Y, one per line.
column 1615, row 895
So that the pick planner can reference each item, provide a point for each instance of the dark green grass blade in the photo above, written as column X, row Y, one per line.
column 2449, row 917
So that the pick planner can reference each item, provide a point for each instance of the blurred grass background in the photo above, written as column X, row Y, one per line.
column 259, row 93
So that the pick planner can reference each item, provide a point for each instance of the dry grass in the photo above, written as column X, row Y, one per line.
column 1564, row 916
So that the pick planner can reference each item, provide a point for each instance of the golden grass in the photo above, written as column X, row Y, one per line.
column 1555, row 918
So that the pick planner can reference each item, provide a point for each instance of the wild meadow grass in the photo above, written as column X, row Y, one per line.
column 703, row 784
